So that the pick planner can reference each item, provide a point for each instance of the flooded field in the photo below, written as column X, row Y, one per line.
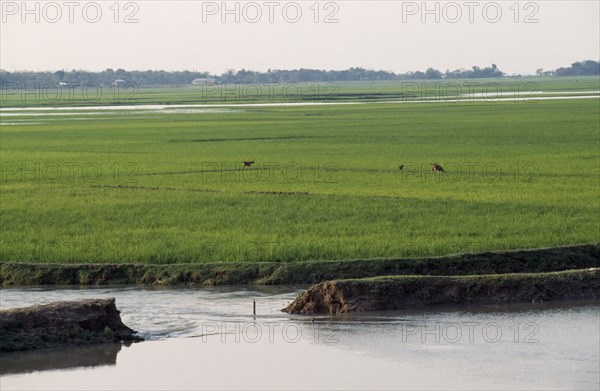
column 489, row 96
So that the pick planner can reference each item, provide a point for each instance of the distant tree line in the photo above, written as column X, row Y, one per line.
column 583, row 68
column 161, row 78
column 106, row 77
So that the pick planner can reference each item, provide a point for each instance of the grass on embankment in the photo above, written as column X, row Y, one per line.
column 270, row 273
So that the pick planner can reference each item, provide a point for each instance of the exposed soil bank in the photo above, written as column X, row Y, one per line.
column 397, row 292
column 310, row 272
column 63, row 323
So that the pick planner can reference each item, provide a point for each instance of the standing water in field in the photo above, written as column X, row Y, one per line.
column 208, row 338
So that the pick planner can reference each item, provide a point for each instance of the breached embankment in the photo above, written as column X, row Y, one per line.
column 65, row 323
column 306, row 272
column 398, row 292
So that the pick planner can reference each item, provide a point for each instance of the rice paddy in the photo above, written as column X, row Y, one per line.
column 167, row 185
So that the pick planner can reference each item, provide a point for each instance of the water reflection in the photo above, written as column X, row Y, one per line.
column 207, row 338
column 54, row 359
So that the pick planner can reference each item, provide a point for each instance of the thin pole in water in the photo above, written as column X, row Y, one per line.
column 253, row 307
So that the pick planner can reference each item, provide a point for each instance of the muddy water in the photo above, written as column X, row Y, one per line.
column 208, row 338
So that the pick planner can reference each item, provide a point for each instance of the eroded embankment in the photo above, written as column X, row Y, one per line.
column 63, row 323
column 398, row 292
column 309, row 272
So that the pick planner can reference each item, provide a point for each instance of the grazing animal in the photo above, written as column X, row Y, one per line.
column 401, row 167
column 436, row 167
column 247, row 164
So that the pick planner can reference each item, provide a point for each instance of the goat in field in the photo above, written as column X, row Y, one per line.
column 436, row 167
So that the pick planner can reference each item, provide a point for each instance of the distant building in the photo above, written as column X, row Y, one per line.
column 62, row 84
column 118, row 82
column 204, row 80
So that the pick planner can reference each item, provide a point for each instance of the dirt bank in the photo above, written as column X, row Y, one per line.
column 397, row 292
column 310, row 272
column 61, row 324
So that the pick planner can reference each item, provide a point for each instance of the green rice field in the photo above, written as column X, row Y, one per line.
column 166, row 185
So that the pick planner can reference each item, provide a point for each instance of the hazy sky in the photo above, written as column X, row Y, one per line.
column 399, row 36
